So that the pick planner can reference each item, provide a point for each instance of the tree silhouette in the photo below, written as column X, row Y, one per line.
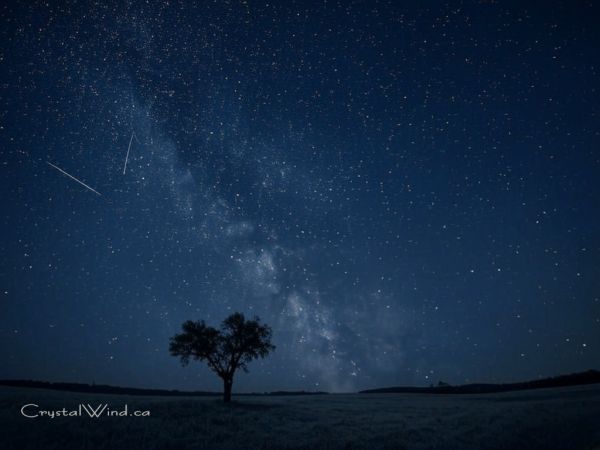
column 238, row 342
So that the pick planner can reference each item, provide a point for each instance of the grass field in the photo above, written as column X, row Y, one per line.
column 562, row 418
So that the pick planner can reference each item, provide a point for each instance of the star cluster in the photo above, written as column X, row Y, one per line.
column 406, row 194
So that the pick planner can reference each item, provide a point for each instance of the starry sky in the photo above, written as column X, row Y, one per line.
column 406, row 194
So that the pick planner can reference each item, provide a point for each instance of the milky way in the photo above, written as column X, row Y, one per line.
column 405, row 195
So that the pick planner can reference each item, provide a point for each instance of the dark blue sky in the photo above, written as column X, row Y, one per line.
column 406, row 194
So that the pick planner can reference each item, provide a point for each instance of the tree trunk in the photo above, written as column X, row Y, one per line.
column 227, row 383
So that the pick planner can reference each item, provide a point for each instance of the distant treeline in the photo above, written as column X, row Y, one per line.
column 574, row 379
column 105, row 389
column 589, row 377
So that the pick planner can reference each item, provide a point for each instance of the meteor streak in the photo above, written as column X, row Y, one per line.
column 128, row 148
column 73, row 178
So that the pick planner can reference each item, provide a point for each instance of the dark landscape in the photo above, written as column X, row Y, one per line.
column 574, row 379
column 544, row 419
column 553, row 413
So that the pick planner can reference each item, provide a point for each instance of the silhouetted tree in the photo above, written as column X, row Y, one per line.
column 233, row 346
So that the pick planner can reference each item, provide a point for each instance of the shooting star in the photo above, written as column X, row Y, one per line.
column 129, row 148
column 73, row 178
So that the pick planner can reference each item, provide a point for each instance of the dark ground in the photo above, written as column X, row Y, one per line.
column 562, row 418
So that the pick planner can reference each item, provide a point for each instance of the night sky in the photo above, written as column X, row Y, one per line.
column 406, row 194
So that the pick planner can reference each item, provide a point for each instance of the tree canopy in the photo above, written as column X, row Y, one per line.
column 232, row 347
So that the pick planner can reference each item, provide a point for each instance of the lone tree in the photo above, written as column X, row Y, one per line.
column 238, row 342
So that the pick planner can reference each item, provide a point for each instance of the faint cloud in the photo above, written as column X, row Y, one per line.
column 240, row 229
column 259, row 271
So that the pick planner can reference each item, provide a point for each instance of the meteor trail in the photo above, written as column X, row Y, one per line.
column 72, row 177
column 128, row 148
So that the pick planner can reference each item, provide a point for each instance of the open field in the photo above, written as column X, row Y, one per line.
column 562, row 418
